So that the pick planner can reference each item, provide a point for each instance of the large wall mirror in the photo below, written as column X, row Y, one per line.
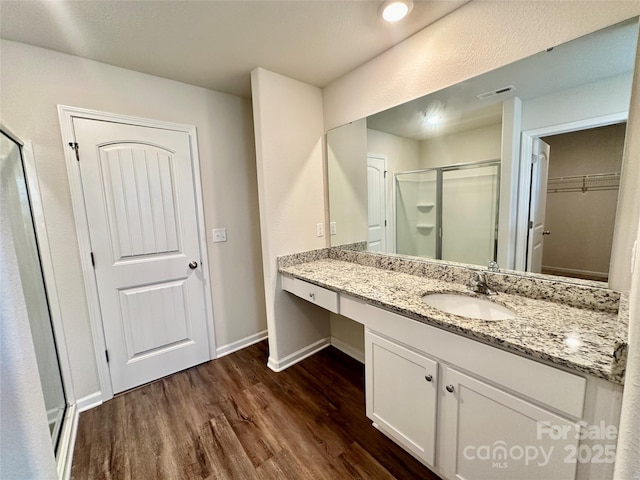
column 521, row 165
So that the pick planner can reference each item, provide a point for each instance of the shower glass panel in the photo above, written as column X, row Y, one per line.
column 16, row 216
column 416, row 213
column 449, row 213
column 470, row 214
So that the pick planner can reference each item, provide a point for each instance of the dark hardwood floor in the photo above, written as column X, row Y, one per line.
column 233, row 418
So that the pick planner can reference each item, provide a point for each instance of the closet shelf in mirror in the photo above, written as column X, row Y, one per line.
column 584, row 183
column 424, row 226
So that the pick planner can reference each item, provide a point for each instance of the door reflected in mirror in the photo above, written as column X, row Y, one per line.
column 463, row 175
column 581, row 198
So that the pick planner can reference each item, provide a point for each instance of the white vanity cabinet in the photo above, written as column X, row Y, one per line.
column 488, row 433
column 401, row 393
column 471, row 411
column 482, row 431
column 507, row 417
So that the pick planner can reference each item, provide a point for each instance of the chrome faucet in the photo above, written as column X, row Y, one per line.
column 493, row 266
column 479, row 285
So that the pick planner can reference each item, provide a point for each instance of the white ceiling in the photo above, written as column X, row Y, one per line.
column 607, row 53
column 215, row 44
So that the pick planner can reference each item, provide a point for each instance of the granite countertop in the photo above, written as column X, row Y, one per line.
column 581, row 339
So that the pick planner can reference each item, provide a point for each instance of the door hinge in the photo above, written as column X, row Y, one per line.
column 534, row 158
column 385, row 174
column 530, row 224
column 106, row 354
column 93, row 260
column 74, row 146
column 385, row 223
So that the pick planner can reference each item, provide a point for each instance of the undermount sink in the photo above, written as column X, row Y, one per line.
column 470, row 307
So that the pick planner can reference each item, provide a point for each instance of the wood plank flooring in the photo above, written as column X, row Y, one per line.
column 233, row 418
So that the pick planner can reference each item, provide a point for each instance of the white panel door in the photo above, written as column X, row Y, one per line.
column 142, row 215
column 376, row 202
column 539, row 175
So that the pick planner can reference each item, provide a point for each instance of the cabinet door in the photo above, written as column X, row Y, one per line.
column 487, row 433
column 401, row 392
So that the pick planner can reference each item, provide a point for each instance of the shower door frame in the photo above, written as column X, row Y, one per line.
column 66, row 438
column 439, row 197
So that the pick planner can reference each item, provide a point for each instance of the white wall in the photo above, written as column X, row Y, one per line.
column 347, row 176
column 608, row 96
column 475, row 145
column 348, row 336
column 403, row 154
column 35, row 80
column 289, row 151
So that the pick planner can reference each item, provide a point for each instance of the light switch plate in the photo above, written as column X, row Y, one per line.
column 319, row 229
column 332, row 228
column 219, row 235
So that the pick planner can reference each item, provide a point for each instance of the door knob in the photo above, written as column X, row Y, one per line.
column 546, row 232
column 193, row 265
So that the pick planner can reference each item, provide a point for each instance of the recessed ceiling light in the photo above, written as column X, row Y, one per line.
column 394, row 10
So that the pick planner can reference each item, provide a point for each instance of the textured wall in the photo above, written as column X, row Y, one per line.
column 476, row 38
column 289, row 151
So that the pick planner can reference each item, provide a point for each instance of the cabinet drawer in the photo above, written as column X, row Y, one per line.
column 312, row 293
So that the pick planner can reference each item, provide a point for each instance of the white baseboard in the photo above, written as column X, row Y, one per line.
column 240, row 344
column 67, row 442
column 295, row 357
column 575, row 271
column 348, row 349
column 88, row 402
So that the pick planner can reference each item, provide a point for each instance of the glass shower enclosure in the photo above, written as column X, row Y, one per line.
column 449, row 213
column 17, row 223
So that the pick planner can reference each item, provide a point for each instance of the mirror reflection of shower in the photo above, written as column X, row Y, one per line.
column 449, row 213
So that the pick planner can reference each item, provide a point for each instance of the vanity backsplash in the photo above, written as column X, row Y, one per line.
column 580, row 293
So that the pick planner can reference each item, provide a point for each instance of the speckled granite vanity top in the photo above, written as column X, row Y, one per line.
column 578, row 326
